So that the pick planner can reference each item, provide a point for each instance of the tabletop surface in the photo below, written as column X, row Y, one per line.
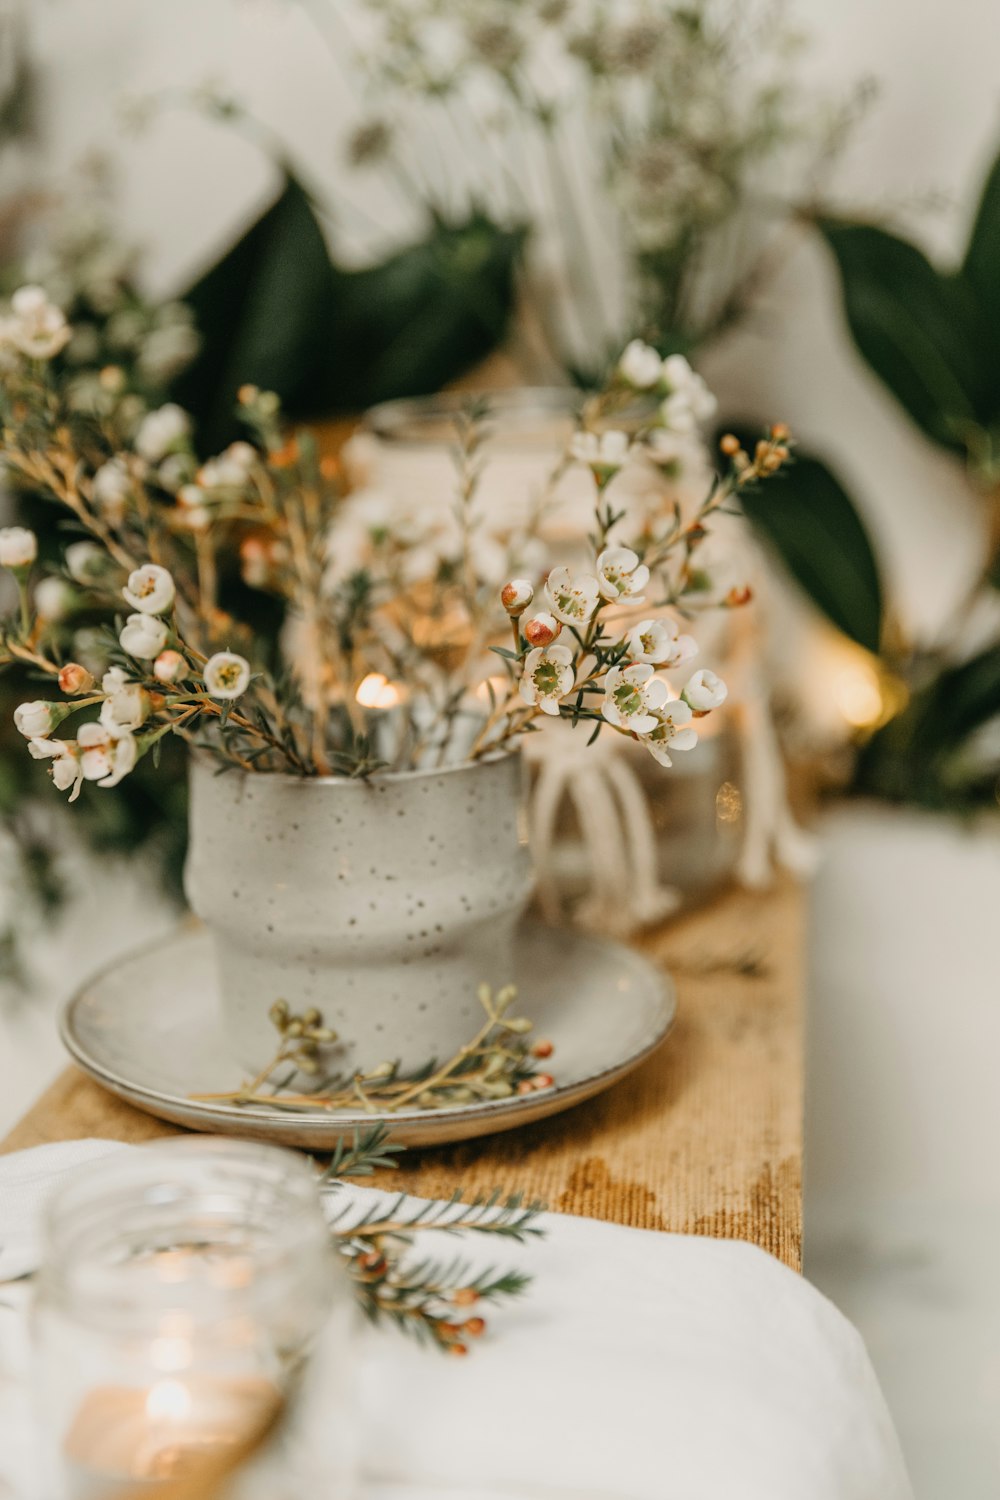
column 704, row 1138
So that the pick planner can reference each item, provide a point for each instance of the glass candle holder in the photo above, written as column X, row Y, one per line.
column 182, row 1287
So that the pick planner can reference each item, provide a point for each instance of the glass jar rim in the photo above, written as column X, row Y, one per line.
column 172, row 1191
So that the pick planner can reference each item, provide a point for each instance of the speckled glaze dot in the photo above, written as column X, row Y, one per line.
column 322, row 892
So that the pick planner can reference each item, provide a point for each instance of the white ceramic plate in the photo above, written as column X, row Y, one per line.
column 146, row 1029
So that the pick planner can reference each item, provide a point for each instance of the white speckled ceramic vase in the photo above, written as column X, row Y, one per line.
column 384, row 903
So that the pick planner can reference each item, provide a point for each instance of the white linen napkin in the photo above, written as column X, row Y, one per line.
column 639, row 1366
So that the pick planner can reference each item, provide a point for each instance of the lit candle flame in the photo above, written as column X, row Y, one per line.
column 376, row 691
column 168, row 1401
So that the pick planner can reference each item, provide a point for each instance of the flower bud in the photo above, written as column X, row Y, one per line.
column 704, row 692
column 738, row 596
column 18, row 547
column 170, row 666
column 75, row 679
column 516, row 595
column 542, row 630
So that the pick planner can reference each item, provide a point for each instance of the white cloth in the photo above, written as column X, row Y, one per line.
column 639, row 1366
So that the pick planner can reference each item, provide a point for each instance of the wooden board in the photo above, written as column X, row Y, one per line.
column 705, row 1138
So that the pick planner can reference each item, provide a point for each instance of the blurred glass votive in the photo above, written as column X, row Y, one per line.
column 182, row 1289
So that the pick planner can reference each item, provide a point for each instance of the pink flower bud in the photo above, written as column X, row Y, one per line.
column 75, row 679
column 170, row 666
column 542, row 630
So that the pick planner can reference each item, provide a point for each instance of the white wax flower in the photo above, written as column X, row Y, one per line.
column 605, row 451
column 107, row 753
column 85, row 561
column 229, row 470
column 631, row 697
column 572, row 599
column 640, row 366
column 36, row 326
column 161, row 431
column 126, row 704
column 688, row 400
column 112, row 489
column 143, row 636
column 66, row 770
column 620, row 575
column 150, row 590
column 54, row 599
column 548, row 677
column 226, row 675
column 705, row 691
column 659, row 642
column 37, row 719
column 672, row 732
column 18, row 547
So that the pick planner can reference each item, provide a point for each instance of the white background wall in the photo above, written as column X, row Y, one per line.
column 188, row 183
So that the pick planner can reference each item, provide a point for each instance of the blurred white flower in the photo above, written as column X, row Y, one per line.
column 226, row 675
column 162, row 431
column 54, row 599
column 705, row 691
column 604, row 452
column 112, row 490
column 688, row 401
column 672, row 732
column 18, row 547
column 150, row 590
column 143, row 636
column 36, row 327
column 631, row 697
column 572, row 600
column 85, row 562
column 659, row 642
column 107, row 753
column 170, row 666
column 620, row 575
column 681, row 454
column 548, row 677
column 640, row 366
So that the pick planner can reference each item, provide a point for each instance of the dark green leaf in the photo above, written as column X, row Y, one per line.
column 981, row 269
column 809, row 519
column 920, row 331
column 278, row 313
column 420, row 319
column 263, row 311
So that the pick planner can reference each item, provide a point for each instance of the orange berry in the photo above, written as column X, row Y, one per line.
column 457, row 1349
column 542, row 1048
column 730, row 444
column 542, row 1081
column 465, row 1296
column 474, row 1327
column 526, row 1085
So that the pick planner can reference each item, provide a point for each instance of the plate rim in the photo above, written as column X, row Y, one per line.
column 335, row 1124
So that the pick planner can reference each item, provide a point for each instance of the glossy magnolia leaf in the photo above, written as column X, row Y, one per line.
column 276, row 312
column 981, row 270
column 421, row 318
column 919, row 331
column 811, row 522
column 264, row 312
